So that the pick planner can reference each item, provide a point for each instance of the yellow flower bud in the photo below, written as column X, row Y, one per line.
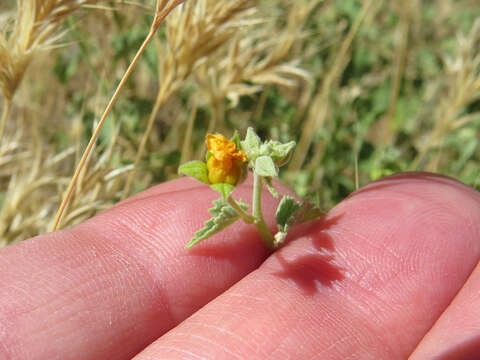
column 226, row 161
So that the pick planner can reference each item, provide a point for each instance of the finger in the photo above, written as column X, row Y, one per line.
column 108, row 287
column 456, row 335
column 366, row 282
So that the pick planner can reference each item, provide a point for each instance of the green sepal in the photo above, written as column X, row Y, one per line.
column 251, row 144
column 223, row 188
column 264, row 166
column 195, row 169
column 223, row 216
column 270, row 187
column 236, row 139
column 285, row 212
column 254, row 148
column 281, row 153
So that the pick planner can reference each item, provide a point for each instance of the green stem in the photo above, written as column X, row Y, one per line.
column 246, row 217
column 257, row 212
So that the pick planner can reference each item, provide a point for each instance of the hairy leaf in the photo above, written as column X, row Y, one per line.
column 281, row 153
column 251, row 144
column 195, row 169
column 286, row 211
column 264, row 166
column 223, row 189
column 223, row 216
column 291, row 212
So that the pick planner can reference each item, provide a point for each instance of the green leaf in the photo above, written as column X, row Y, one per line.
column 286, row 211
column 291, row 212
column 310, row 212
column 223, row 216
column 223, row 189
column 251, row 144
column 264, row 166
column 195, row 169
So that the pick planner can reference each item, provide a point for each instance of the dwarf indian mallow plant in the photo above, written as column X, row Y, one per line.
column 226, row 166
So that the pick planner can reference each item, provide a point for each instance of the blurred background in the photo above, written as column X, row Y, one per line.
column 366, row 88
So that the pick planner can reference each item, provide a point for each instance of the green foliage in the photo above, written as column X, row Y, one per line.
column 267, row 156
column 261, row 158
column 223, row 216
column 195, row 169
column 264, row 166
column 251, row 144
column 291, row 212
column 223, row 189
column 285, row 212
column 236, row 139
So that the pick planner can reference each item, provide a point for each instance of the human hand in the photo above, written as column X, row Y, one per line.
column 391, row 267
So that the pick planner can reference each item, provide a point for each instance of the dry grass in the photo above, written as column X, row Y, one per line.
column 459, row 88
column 163, row 8
column 227, row 54
column 374, row 83
column 35, row 28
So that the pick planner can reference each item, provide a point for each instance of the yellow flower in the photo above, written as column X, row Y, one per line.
column 225, row 164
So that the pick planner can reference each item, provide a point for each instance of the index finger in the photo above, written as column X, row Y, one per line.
column 109, row 287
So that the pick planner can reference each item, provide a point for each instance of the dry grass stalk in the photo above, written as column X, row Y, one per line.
column 408, row 13
column 187, row 148
column 36, row 177
column 253, row 60
column 33, row 174
column 163, row 8
column 462, row 87
column 228, row 54
column 319, row 108
column 194, row 32
column 35, row 28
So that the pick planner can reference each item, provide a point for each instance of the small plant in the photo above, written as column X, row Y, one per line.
column 226, row 166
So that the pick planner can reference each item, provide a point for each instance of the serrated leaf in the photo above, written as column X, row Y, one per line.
column 223, row 188
column 251, row 144
column 291, row 212
column 285, row 212
column 264, row 166
column 195, row 169
column 223, row 216
column 270, row 187
column 309, row 212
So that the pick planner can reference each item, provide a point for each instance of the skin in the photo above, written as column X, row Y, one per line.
column 389, row 273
